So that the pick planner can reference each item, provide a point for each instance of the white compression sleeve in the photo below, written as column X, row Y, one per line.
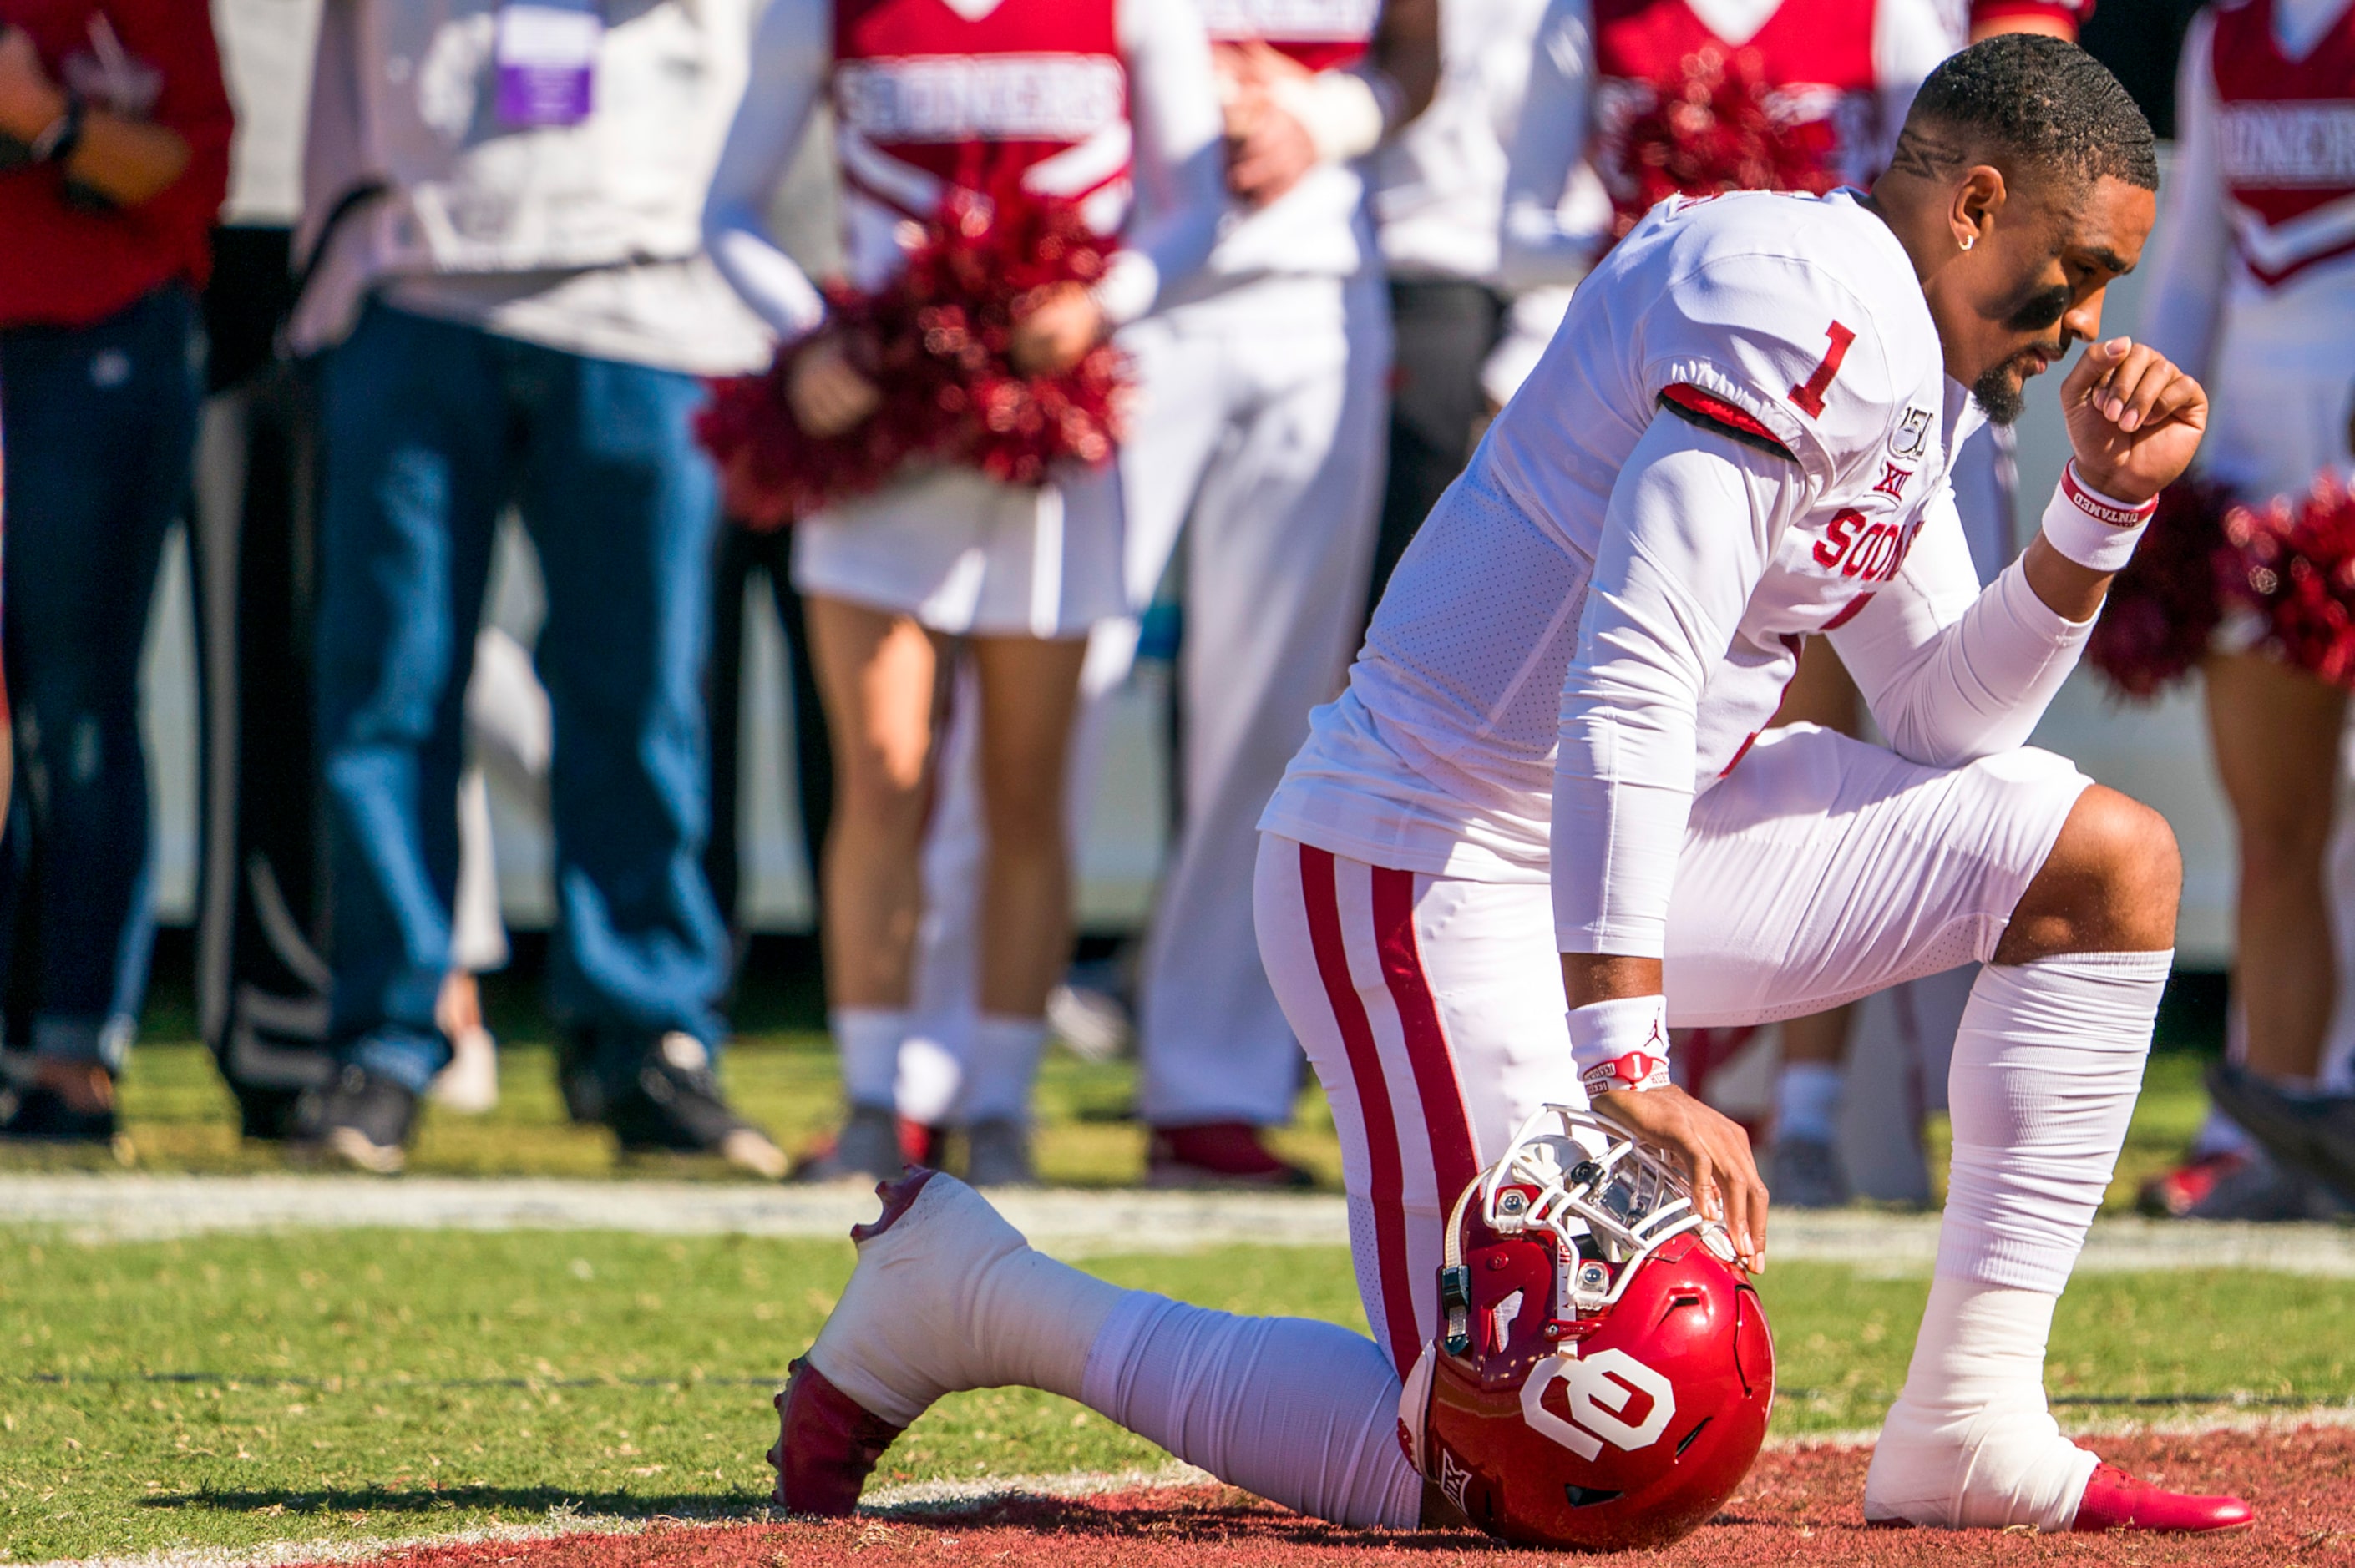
column 792, row 52
column 1179, row 170
column 1693, row 520
column 1951, row 672
column 1537, row 246
column 2047, row 1065
column 1300, row 1413
column 2185, row 297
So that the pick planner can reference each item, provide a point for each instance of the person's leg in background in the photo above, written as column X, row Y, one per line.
column 414, row 414
column 1803, row 1168
column 1443, row 330
column 102, row 424
column 878, row 675
column 621, row 505
column 1278, row 547
column 1182, row 420
column 1028, row 690
column 2275, row 732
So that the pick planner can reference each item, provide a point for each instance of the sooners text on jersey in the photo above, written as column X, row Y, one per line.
column 2286, row 134
column 928, row 96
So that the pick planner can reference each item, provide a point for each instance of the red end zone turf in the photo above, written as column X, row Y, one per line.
column 1800, row 1505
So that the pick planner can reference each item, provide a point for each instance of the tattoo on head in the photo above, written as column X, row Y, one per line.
column 1925, row 154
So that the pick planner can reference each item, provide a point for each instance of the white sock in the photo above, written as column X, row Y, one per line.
column 929, row 1079
column 2219, row 1134
column 867, row 1041
column 1970, row 1443
column 1004, row 1064
column 1303, row 1414
column 1808, row 1101
column 2047, row 1065
column 951, row 1296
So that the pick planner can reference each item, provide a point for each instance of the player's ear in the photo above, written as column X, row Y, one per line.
column 1972, row 203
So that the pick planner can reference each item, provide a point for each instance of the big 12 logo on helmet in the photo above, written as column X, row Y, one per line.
column 1601, row 1389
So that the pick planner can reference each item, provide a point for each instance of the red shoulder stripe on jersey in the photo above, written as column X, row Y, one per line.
column 1444, row 1120
column 1710, row 412
column 1320, row 891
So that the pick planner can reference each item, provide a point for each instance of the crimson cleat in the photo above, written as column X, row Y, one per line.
column 2115, row 1500
column 2175, row 1194
column 826, row 1445
column 1217, row 1154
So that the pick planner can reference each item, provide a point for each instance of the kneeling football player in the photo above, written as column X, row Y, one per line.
column 1542, row 826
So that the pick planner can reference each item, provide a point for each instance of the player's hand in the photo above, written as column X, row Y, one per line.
column 1058, row 324
column 30, row 102
column 828, row 396
column 1715, row 1155
column 2135, row 420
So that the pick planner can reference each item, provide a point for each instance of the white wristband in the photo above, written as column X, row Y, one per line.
column 2090, row 528
column 1341, row 109
column 1622, row 1044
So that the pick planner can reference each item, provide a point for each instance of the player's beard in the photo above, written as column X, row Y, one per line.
column 2001, row 394
column 2002, row 391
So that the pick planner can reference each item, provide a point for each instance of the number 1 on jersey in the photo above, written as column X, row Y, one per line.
column 1809, row 394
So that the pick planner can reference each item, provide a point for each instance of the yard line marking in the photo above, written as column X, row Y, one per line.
column 133, row 1206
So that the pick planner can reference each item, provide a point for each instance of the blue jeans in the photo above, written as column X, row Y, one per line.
column 100, row 424
column 431, row 428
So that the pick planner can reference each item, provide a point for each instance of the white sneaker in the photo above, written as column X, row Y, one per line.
column 470, row 1084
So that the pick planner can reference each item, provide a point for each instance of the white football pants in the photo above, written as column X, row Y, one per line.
column 1822, row 869
column 1432, row 1008
column 1258, row 439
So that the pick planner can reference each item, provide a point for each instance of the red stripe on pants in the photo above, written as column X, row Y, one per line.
column 1443, row 1116
column 1319, row 893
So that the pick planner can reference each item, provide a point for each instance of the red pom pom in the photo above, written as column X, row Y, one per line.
column 936, row 341
column 1712, row 129
column 2164, row 607
column 2294, row 564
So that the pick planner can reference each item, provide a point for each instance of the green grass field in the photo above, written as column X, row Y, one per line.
column 177, row 1117
column 235, row 1388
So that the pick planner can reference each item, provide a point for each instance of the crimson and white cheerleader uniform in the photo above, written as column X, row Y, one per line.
column 1742, row 434
column 2253, row 286
column 1107, row 101
column 1258, row 437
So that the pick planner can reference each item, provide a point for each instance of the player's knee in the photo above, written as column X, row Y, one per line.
column 2111, row 883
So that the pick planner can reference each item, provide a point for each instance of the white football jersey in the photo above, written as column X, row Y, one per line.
column 1557, row 626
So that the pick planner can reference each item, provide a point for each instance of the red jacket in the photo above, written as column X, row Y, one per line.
column 65, row 267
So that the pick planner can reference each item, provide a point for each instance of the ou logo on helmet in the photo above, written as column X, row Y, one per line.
column 1600, row 1389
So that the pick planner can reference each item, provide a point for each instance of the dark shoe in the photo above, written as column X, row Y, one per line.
column 37, row 1114
column 2313, row 1133
column 672, row 1105
column 1802, row 1173
column 1218, row 1154
column 2265, row 1192
column 2173, row 1194
column 873, row 1145
column 577, row 1078
column 359, row 1118
column 997, row 1154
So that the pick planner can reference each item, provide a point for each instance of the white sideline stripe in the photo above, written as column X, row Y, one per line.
column 1065, row 1221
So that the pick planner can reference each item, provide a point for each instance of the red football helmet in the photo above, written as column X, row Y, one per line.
column 1603, row 1374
